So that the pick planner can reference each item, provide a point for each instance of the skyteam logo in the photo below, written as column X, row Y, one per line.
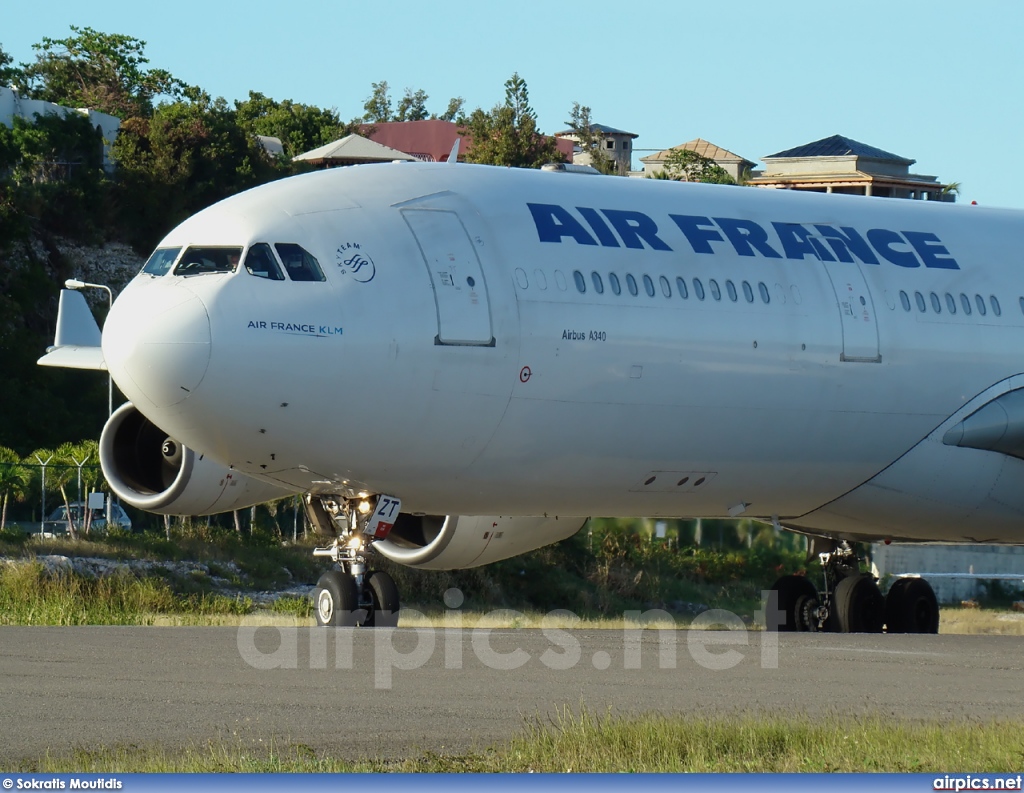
column 352, row 261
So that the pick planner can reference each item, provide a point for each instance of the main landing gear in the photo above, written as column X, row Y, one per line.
column 351, row 595
column 851, row 601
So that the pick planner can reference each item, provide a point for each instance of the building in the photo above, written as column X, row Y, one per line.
column 956, row 572
column 840, row 165
column 736, row 166
column 616, row 143
column 12, row 106
column 350, row 150
column 430, row 140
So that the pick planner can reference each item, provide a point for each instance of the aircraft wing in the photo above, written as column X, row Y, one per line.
column 76, row 344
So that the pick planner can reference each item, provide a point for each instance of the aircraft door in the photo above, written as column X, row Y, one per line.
column 856, row 312
column 460, row 291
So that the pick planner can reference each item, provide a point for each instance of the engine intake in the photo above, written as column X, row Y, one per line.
column 152, row 471
column 454, row 542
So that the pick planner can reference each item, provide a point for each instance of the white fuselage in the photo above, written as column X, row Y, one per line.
column 451, row 357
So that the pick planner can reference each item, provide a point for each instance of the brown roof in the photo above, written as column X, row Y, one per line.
column 430, row 140
column 702, row 147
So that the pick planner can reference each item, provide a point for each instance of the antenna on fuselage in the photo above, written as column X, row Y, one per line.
column 453, row 157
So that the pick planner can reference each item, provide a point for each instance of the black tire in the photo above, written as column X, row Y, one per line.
column 384, row 594
column 335, row 601
column 793, row 596
column 911, row 607
column 859, row 605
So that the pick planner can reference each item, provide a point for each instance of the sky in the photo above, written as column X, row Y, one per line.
column 938, row 81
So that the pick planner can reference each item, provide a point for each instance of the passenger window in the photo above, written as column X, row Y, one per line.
column 904, row 300
column 965, row 303
column 161, row 260
column 666, row 287
column 748, row 292
column 995, row 306
column 765, row 297
column 698, row 288
column 200, row 261
column 631, row 285
column 259, row 261
column 1022, row 305
column 936, row 303
column 683, row 293
column 979, row 301
column 581, row 283
column 730, row 287
column 299, row 263
column 716, row 293
column 950, row 303
column 919, row 299
column 598, row 283
column 649, row 286
column 613, row 280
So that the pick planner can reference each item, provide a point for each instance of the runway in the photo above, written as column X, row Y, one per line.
column 386, row 694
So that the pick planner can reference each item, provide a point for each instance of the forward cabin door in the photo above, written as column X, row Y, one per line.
column 856, row 313
column 460, row 291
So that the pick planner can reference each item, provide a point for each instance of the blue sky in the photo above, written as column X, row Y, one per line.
column 938, row 81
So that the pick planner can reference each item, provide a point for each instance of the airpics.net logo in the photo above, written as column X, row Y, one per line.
column 713, row 640
column 355, row 263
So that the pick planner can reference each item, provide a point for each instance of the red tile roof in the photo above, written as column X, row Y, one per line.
column 429, row 140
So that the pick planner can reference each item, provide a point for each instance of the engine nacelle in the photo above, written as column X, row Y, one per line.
column 455, row 542
column 152, row 471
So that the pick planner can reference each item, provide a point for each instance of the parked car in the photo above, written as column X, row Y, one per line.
column 57, row 522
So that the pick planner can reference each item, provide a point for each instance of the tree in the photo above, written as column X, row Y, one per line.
column 508, row 134
column 14, row 480
column 413, row 106
column 589, row 139
column 454, row 111
column 9, row 75
column 687, row 165
column 299, row 127
column 104, row 71
column 378, row 104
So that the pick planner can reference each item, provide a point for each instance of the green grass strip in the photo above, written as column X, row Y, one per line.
column 651, row 743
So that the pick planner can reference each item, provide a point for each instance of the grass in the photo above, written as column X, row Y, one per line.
column 648, row 744
column 29, row 596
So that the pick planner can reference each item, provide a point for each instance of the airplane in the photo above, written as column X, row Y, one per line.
column 456, row 364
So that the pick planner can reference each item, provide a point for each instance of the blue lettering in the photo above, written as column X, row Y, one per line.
column 798, row 241
column 882, row 241
column 554, row 222
column 634, row 227
column 747, row 236
column 847, row 243
column 929, row 247
column 604, row 234
column 699, row 231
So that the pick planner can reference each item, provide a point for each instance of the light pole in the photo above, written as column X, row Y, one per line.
column 74, row 283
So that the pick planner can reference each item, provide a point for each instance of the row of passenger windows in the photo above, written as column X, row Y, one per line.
column 260, row 261
column 951, row 303
column 665, row 287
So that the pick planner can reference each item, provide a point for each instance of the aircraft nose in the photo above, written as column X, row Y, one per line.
column 156, row 343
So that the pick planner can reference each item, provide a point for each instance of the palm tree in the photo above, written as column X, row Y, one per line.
column 14, row 479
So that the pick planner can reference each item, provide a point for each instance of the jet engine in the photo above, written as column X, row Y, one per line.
column 450, row 542
column 152, row 471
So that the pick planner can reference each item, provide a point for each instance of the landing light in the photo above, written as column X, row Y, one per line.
column 364, row 507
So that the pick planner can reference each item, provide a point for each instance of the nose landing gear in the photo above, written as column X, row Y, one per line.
column 352, row 596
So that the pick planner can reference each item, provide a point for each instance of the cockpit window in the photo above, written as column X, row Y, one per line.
column 259, row 261
column 299, row 263
column 199, row 261
column 161, row 260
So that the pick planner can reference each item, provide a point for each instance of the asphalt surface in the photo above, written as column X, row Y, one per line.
column 372, row 693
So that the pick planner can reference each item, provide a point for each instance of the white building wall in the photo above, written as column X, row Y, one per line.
column 12, row 105
column 964, row 560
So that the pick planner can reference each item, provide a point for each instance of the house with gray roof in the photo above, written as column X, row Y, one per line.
column 838, row 164
column 616, row 143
